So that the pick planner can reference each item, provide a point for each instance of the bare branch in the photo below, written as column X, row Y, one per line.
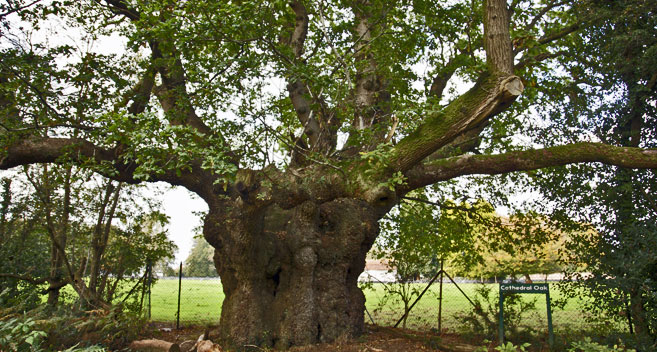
column 371, row 96
column 18, row 8
column 440, row 81
column 542, row 13
column 141, row 93
column 40, row 95
column 548, row 38
column 26, row 278
column 315, row 126
column 530, row 61
column 298, row 38
column 119, row 7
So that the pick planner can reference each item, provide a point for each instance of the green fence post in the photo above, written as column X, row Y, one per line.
column 526, row 288
column 549, row 318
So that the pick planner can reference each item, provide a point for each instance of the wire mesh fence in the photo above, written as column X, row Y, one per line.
column 447, row 307
column 199, row 299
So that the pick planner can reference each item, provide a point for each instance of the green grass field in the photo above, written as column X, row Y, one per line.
column 200, row 300
column 201, row 304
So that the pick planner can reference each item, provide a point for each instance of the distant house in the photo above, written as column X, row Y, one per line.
column 377, row 270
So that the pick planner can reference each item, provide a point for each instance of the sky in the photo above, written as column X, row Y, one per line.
column 181, row 205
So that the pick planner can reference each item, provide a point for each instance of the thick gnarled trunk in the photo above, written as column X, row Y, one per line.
column 290, row 275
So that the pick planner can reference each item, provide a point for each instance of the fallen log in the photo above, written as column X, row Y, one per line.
column 154, row 345
column 207, row 346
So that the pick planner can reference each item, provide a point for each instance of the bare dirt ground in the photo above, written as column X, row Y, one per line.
column 375, row 339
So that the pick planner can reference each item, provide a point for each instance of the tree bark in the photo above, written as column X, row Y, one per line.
column 290, row 275
column 497, row 41
column 639, row 318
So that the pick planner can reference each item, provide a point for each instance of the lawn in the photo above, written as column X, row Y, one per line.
column 201, row 304
column 200, row 300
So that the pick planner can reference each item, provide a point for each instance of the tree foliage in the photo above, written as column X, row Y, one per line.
column 470, row 240
column 93, row 243
column 199, row 263
column 302, row 123
column 610, row 94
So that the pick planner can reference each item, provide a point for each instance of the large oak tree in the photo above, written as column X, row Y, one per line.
column 300, row 123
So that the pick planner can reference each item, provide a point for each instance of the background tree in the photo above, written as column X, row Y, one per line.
column 199, row 262
column 612, row 92
column 301, row 124
column 418, row 234
column 410, row 244
column 22, row 244
column 95, row 236
column 531, row 245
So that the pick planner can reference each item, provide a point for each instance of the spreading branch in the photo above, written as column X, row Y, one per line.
column 530, row 61
column 120, row 7
column 53, row 150
column 446, row 169
column 12, row 10
column 493, row 93
column 26, row 278
column 487, row 98
column 539, row 16
column 371, row 96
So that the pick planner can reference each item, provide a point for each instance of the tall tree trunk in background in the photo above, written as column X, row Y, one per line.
column 100, row 238
column 627, row 190
column 58, row 229
column 5, row 203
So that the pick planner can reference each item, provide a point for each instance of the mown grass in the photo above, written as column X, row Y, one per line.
column 200, row 300
column 201, row 304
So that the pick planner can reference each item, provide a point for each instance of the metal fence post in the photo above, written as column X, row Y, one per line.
column 149, row 269
column 179, row 290
column 417, row 299
column 440, row 299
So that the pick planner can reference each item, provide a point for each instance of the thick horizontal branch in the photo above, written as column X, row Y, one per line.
column 79, row 151
column 49, row 150
column 446, row 169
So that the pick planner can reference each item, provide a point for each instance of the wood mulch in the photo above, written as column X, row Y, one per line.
column 375, row 339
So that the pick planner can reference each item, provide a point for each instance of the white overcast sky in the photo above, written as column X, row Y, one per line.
column 181, row 205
